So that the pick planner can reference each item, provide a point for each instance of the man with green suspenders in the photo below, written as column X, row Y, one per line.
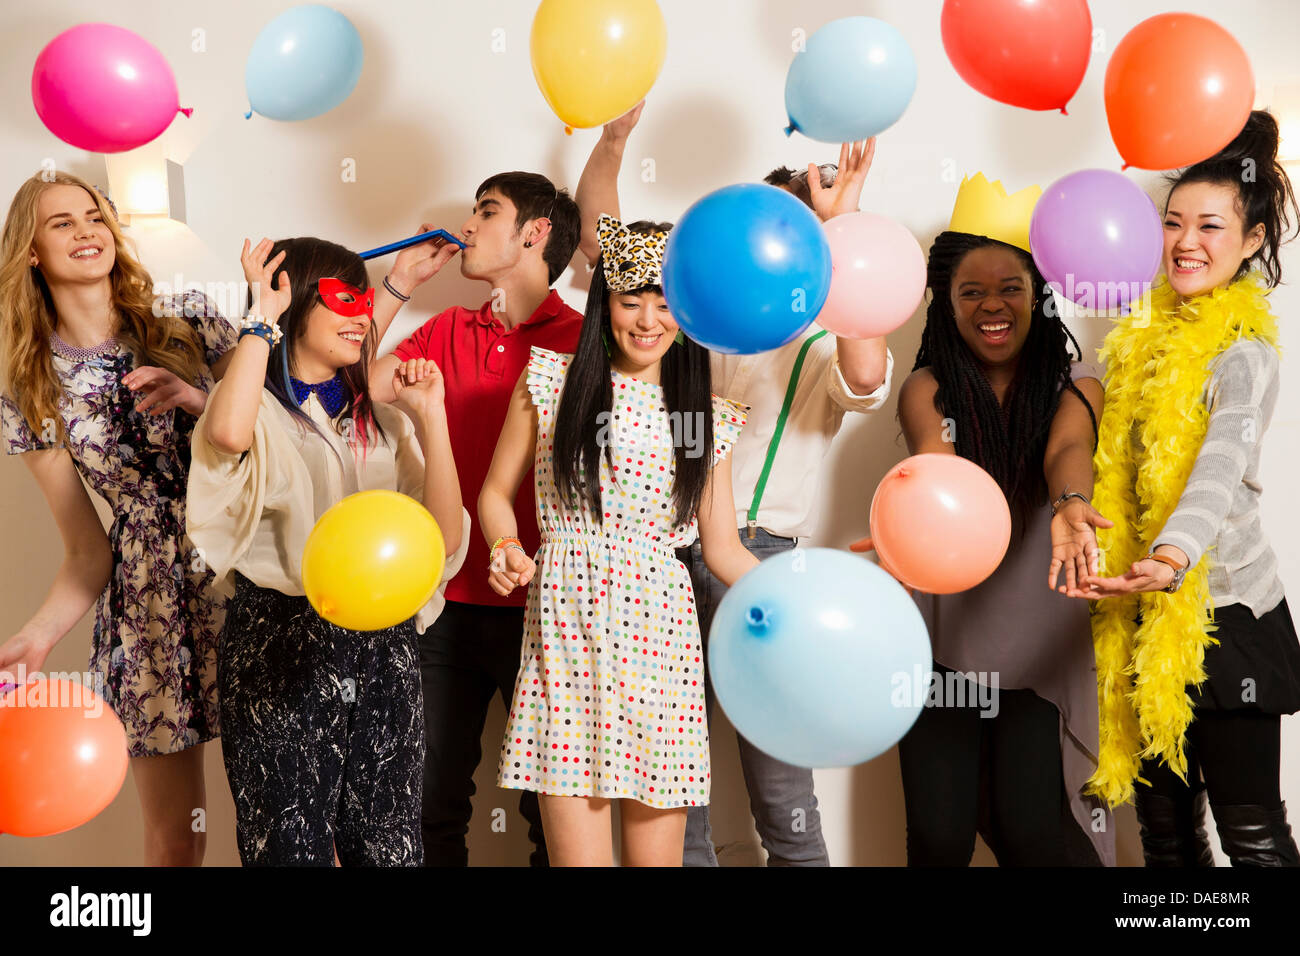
column 798, row 395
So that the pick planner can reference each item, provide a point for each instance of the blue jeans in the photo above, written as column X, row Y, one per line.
column 780, row 795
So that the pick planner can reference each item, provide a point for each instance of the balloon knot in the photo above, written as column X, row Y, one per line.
column 1124, row 167
column 904, row 472
column 188, row 111
column 758, row 620
column 789, row 130
column 568, row 130
column 1064, row 111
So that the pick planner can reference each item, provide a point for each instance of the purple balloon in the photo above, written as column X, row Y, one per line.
column 1097, row 238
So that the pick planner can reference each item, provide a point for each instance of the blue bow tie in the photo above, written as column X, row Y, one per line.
column 332, row 394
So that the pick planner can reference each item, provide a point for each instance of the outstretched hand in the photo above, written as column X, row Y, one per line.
column 1074, row 547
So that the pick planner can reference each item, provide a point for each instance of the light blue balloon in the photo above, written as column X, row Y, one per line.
column 304, row 63
column 853, row 80
column 746, row 269
column 819, row 658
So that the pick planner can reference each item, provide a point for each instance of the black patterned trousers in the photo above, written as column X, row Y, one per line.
column 322, row 733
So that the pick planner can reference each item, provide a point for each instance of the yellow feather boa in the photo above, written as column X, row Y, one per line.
column 1152, row 427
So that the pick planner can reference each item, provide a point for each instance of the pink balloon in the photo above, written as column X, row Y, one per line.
column 940, row 523
column 877, row 276
column 103, row 88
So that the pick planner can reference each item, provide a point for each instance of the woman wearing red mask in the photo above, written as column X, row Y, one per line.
column 323, row 726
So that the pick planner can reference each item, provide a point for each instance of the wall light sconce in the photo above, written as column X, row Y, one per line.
column 144, row 182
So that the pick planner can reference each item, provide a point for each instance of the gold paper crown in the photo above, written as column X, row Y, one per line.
column 984, row 209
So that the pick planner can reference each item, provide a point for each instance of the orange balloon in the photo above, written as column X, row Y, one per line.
column 940, row 523
column 62, row 757
column 1179, row 88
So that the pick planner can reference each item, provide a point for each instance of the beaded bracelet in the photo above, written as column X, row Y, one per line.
column 503, row 542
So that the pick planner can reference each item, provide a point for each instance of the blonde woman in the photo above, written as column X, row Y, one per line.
column 103, row 381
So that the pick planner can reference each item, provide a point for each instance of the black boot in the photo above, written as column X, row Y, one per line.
column 1173, row 831
column 1256, row 836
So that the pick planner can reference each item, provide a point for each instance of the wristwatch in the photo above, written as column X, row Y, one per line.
column 1180, row 572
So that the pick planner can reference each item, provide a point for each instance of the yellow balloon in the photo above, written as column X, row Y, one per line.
column 373, row 560
column 596, row 59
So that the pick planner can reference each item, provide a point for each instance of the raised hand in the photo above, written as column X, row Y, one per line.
column 416, row 265
column 419, row 387
column 268, row 301
column 621, row 128
column 843, row 197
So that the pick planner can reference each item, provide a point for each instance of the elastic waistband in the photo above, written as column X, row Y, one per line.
column 612, row 541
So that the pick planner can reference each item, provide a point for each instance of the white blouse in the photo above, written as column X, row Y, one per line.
column 252, row 513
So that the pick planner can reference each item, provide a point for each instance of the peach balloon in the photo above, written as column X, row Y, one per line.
column 877, row 276
column 63, row 757
column 940, row 523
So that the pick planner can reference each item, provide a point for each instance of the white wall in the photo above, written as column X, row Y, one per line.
column 436, row 111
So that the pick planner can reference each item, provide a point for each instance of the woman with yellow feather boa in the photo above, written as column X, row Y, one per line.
column 1191, row 613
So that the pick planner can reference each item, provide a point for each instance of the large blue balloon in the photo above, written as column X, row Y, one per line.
column 819, row 658
column 853, row 80
column 747, row 268
column 304, row 63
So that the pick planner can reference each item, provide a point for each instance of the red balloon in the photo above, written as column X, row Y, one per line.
column 1179, row 88
column 1029, row 53
column 62, row 757
column 939, row 523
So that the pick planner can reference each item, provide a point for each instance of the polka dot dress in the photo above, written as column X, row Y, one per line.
column 609, row 701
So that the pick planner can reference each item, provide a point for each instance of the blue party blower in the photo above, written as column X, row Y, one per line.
column 413, row 241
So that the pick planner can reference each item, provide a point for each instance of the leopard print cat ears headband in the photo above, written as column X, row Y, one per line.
column 631, row 259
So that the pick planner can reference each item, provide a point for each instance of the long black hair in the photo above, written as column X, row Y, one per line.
column 1006, row 440
column 587, row 403
column 1264, row 195
column 307, row 261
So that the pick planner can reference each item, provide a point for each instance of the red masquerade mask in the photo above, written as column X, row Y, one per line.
column 357, row 302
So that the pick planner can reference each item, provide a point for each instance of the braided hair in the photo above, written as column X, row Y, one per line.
column 1006, row 440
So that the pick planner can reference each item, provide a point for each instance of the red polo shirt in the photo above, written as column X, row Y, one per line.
column 480, row 362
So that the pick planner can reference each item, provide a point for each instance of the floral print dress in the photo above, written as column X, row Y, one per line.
column 153, row 653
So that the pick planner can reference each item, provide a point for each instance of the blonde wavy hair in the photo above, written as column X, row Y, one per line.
column 27, row 316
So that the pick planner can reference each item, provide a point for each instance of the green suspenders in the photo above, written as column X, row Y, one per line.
column 752, row 518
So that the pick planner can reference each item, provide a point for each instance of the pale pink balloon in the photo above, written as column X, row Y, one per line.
column 103, row 88
column 877, row 276
column 940, row 522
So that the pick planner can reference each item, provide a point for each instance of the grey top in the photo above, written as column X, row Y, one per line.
column 1219, row 507
column 1015, row 630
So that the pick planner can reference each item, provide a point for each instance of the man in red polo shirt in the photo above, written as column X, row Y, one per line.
column 520, row 238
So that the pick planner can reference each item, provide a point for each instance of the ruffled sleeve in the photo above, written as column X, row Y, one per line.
column 16, row 434
column 728, row 420
column 215, row 332
column 232, row 497
column 546, row 371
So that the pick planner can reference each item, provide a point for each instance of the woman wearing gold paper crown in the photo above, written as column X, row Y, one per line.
column 1013, row 711
column 1191, row 383
column 609, row 702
